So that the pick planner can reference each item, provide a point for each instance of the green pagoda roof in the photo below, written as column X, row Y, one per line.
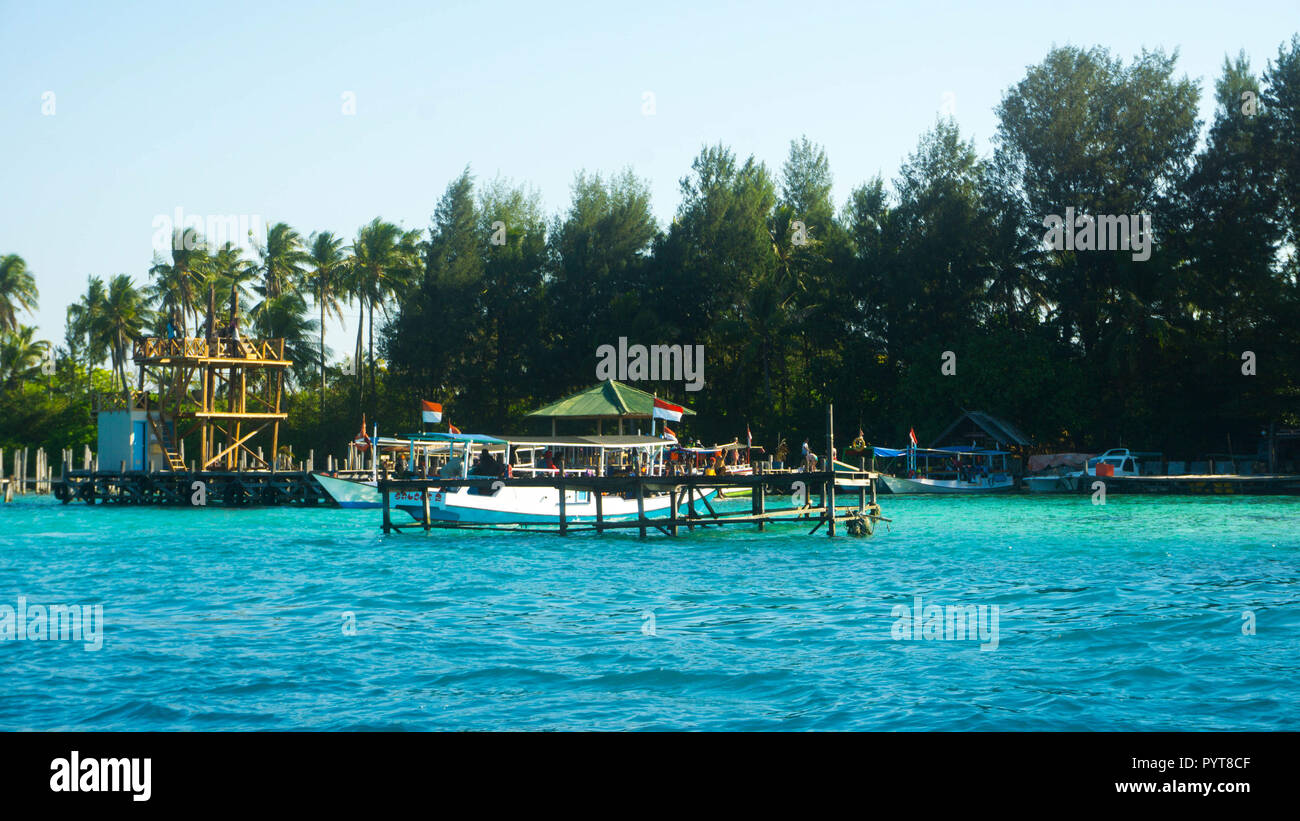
column 608, row 400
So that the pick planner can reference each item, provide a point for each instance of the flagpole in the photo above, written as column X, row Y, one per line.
column 653, row 398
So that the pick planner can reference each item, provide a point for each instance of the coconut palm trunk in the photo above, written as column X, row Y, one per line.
column 321, row 300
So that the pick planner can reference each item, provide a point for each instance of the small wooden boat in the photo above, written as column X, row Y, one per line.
column 948, row 470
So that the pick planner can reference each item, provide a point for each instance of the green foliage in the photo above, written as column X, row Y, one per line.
column 495, row 308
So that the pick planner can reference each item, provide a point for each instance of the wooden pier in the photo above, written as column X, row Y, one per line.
column 857, row 507
column 1199, row 485
column 237, row 488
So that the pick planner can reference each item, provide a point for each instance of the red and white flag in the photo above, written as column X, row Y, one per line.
column 749, row 437
column 668, row 433
column 911, row 434
column 430, row 412
column 667, row 410
column 452, row 428
column 362, row 439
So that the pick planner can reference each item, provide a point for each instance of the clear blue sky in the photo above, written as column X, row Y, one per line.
column 235, row 108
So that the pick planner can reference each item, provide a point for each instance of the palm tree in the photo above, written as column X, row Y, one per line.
column 226, row 270
column 122, row 314
column 85, row 326
column 20, row 355
column 17, row 291
column 286, row 317
column 382, row 254
column 282, row 259
column 328, row 262
column 176, row 283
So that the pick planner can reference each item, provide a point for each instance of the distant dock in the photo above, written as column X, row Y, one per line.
column 261, row 488
column 1199, row 485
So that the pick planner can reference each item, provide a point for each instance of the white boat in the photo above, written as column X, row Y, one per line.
column 355, row 492
column 350, row 493
column 1114, row 462
column 921, row 484
column 1121, row 462
column 451, row 456
column 580, row 456
column 958, row 470
column 529, row 505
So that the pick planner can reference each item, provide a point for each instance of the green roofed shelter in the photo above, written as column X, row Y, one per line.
column 607, row 400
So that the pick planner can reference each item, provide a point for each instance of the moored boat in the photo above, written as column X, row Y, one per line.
column 350, row 493
column 568, row 456
column 948, row 470
column 1116, row 462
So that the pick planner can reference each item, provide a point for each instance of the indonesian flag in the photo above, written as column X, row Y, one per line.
column 667, row 410
column 430, row 412
column 911, row 434
column 362, row 440
column 452, row 428
column 668, row 433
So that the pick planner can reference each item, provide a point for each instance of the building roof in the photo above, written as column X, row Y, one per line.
column 999, row 430
column 608, row 400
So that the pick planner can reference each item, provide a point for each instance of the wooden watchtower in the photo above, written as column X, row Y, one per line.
column 221, row 385
column 227, row 388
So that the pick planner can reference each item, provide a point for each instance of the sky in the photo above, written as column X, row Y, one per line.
column 326, row 115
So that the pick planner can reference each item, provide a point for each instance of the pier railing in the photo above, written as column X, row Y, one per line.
column 152, row 349
column 861, row 514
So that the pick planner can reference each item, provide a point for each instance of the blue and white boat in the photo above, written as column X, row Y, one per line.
column 949, row 470
column 518, row 457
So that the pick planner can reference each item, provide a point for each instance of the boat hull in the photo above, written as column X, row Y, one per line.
column 991, row 484
column 350, row 493
column 1052, row 484
column 528, row 505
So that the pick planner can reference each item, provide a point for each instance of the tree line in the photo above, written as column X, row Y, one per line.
column 497, row 307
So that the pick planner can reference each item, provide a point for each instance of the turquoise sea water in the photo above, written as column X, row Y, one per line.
column 1122, row 616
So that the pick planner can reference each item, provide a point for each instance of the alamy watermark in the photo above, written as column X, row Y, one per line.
column 55, row 622
column 179, row 231
column 77, row 774
column 666, row 363
column 953, row 622
column 1103, row 232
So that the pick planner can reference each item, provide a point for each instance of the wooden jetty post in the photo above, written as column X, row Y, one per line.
column 640, row 503
column 690, row 507
column 600, row 511
column 564, row 518
column 383, row 491
column 424, row 497
column 829, row 495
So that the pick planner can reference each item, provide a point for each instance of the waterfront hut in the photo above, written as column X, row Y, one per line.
column 977, row 430
column 982, row 430
column 609, row 401
column 124, row 427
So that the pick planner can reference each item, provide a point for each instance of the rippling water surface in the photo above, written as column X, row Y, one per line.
column 1122, row 616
